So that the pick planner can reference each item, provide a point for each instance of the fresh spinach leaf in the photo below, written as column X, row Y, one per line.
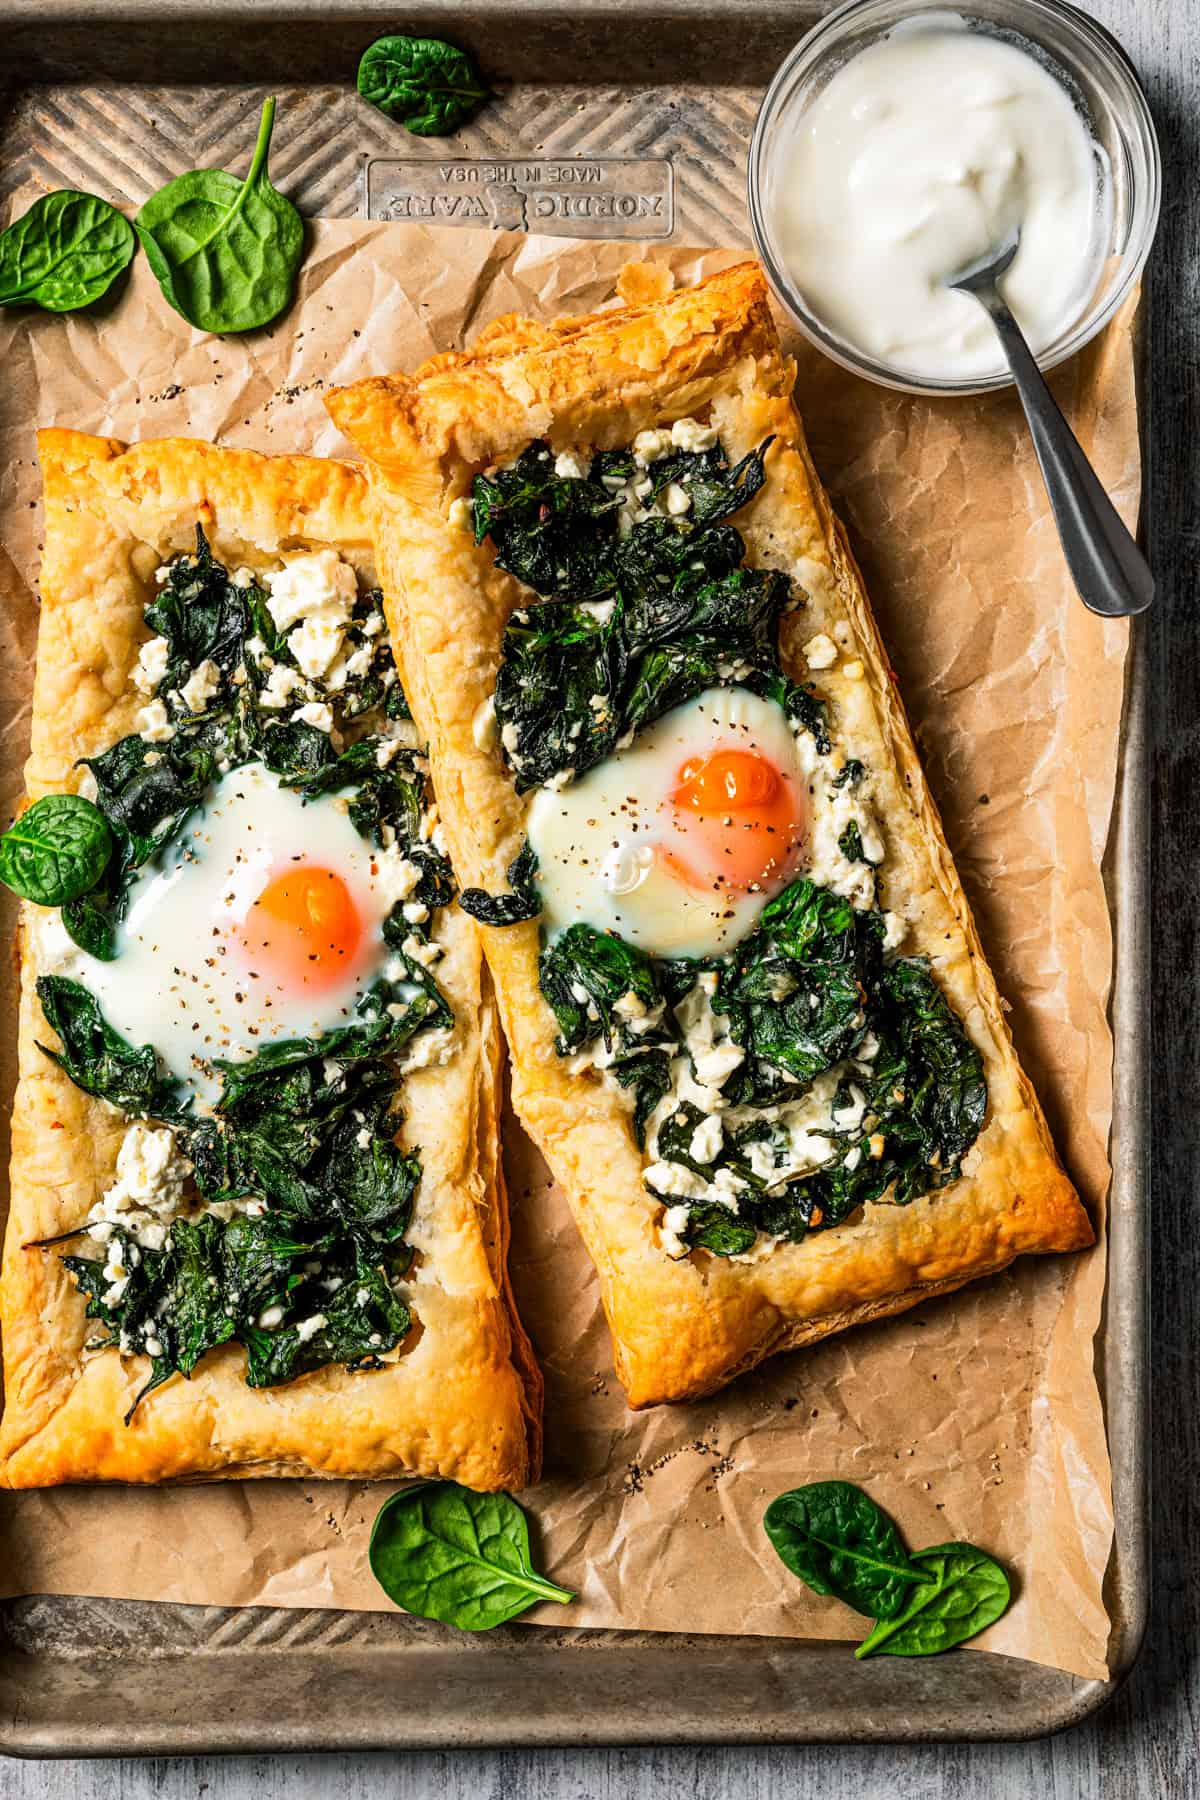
column 960, row 1591
column 428, row 86
column 56, row 851
column 521, row 902
column 839, row 1542
column 64, row 253
column 444, row 1552
column 99, row 1060
column 225, row 252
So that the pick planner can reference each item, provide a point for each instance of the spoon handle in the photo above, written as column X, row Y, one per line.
column 1109, row 570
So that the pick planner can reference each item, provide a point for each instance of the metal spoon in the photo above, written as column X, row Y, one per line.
column 1108, row 569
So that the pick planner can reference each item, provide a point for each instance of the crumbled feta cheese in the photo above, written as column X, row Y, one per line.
column 510, row 737
column 707, row 1139
column 154, row 724
column 672, row 1178
column 674, row 1223
column 270, row 1317
column 715, row 1066
column 568, row 466
column 310, row 584
column 895, row 930
column 395, row 874
column 200, row 686
column 312, row 599
column 428, row 1050
column 308, row 1328
column 415, row 912
column 689, row 434
column 676, row 499
column 820, row 652
column 483, row 725
column 315, row 645
column 649, row 446
column 853, row 671
column 282, row 685
column 459, row 514
column 152, row 661
column 314, row 712
column 425, row 954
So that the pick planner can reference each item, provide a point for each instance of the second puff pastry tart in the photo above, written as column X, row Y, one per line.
column 299, row 1210
column 788, row 1101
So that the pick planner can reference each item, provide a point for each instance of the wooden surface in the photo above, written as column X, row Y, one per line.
column 1148, row 1742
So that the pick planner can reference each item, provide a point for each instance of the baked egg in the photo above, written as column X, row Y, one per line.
column 677, row 842
column 263, row 920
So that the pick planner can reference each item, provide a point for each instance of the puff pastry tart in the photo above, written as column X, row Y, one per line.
column 750, row 1022
column 258, row 1224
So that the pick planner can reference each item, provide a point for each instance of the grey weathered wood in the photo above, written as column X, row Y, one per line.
column 1147, row 1744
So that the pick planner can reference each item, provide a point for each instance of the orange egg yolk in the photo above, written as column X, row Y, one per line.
column 304, row 928
column 742, row 815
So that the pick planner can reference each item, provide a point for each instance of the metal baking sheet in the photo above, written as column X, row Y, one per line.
column 608, row 101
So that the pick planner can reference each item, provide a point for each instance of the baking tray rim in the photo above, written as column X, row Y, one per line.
column 1120, row 1344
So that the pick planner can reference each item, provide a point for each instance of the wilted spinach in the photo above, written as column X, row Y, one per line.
column 100, row 1061
column 428, row 86
column 444, row 1552
column 634, row 622
column 225, row 252
column 807, row 990
column 64, row 253
column 521, row 902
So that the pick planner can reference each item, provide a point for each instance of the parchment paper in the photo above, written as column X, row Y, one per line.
column 978, row 1415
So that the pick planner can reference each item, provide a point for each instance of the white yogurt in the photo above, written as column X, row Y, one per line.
column 920, row 154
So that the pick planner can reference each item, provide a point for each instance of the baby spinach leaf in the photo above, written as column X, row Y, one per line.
column 834, row 1537
column 447, row 1553
column 225, row 252
column 99, row 1060
column 961, row 1590
column 521, row 902
column 56, row 851
column 429, row 86
column 65, row 252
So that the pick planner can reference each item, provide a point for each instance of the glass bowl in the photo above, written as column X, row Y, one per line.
column 1096, row 73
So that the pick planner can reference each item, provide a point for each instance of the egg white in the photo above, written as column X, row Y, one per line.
column 599, row 840
column 177, row 981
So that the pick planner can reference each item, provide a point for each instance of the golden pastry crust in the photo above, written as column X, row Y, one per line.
column 462, row 1397
column 682, row 1328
